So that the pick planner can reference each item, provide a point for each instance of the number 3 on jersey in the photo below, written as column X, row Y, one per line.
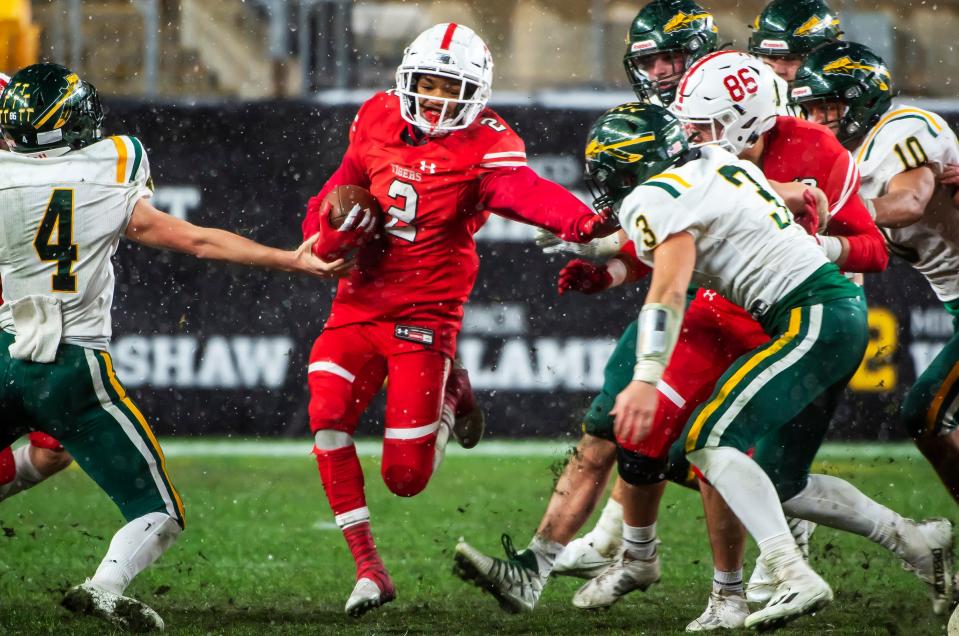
column 64, row 252
column 405, row 194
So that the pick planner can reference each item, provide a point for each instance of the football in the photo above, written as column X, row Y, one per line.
column 344, row 198
column 336, row 241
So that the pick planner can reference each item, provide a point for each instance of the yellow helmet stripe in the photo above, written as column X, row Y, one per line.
column 73, row 81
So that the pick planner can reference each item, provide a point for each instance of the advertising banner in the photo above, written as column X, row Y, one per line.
column 207, row 348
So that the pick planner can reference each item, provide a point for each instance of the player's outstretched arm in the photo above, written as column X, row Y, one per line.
column 659, row 324
column 152, row 227
column 522, row 195
column 906, row 198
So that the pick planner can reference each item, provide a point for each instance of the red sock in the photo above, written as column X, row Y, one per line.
column 368, row 562
column 342, row 479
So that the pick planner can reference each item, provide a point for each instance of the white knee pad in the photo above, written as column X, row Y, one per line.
column 328, row 440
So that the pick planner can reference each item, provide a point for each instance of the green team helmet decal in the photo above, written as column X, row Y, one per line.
column 849, row 73
column 626, row 146
column 49, row 106
column 682, row 27
column 787, row 28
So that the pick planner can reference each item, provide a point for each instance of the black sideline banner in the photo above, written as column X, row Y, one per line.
column 215, row 349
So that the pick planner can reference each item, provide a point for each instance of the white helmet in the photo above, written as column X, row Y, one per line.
column 732, row 92
column 447, row 50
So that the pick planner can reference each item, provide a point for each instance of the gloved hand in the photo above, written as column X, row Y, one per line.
column 810, row 216
column 596, row 249
column 598, row 225
column 584, row 277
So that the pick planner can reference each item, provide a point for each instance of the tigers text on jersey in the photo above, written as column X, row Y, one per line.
column 425, row 267
column 905, row 138
column 747, row 246
column 60, row 223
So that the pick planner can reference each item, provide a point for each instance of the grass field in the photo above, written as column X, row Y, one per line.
column 261, row 555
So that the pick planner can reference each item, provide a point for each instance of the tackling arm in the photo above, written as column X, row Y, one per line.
column 863, row 246
column 152, row 227
column 522, row 195
column 906, row 198
column 660, row 321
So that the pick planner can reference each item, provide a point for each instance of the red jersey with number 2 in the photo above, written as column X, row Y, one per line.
column 424, row 267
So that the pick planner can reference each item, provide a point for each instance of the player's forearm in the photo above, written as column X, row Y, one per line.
column 625, row 266
column 898, row 209
column 862, row 247
column 220, row 245
column 907, row 195
column 662, row 314
column 522, row 195
column 791, row 193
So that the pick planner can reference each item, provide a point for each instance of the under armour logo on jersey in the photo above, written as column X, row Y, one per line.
column 428, row 167
column 709, row 294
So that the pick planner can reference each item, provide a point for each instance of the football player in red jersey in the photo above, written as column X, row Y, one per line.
column 737, row 115
column 438, row 161
column 714, row 334
column 44, row 456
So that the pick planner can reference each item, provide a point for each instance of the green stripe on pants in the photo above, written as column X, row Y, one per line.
column 113, row 400
column 932, row 405
column 765, row 389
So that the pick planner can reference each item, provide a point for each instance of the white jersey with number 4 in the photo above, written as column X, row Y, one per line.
column 747, row 246
column 905, row 138
column 60, row 223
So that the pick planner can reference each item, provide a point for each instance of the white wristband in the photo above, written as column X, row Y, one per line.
column 831, row 246
column 657, row 335
column 617, row 271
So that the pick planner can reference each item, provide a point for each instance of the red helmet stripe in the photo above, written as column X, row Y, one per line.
column 448, row 36
column 691, row 69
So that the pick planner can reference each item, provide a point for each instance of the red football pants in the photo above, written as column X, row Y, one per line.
column 348, row 366
column 715, row 332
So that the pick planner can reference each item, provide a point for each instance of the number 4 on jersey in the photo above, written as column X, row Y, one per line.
column 59, row 218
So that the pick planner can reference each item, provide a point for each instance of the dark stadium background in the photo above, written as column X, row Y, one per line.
column 204, row 346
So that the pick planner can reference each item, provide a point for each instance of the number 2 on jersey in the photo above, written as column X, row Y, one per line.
column 404, row 192
column 58, row 218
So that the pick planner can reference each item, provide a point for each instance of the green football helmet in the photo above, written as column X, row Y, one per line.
column 849, row 73
column 626, row 146
column 788, row 28
column 678, row 26
column 48, row 106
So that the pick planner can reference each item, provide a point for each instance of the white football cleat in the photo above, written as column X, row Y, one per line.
column 725, row 610
column 933, row 565
column 762, row 584
column 515, row 581
column 581, row 559
column 621, row 577
column 367, row 595
column 952, row 629
column 801, row 591
column 122, row 611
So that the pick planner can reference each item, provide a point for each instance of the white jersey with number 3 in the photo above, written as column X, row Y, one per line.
column 906, row 138
column 747, row 246
column 60, row 223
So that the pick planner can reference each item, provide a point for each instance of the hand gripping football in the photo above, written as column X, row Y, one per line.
column 349, row 217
